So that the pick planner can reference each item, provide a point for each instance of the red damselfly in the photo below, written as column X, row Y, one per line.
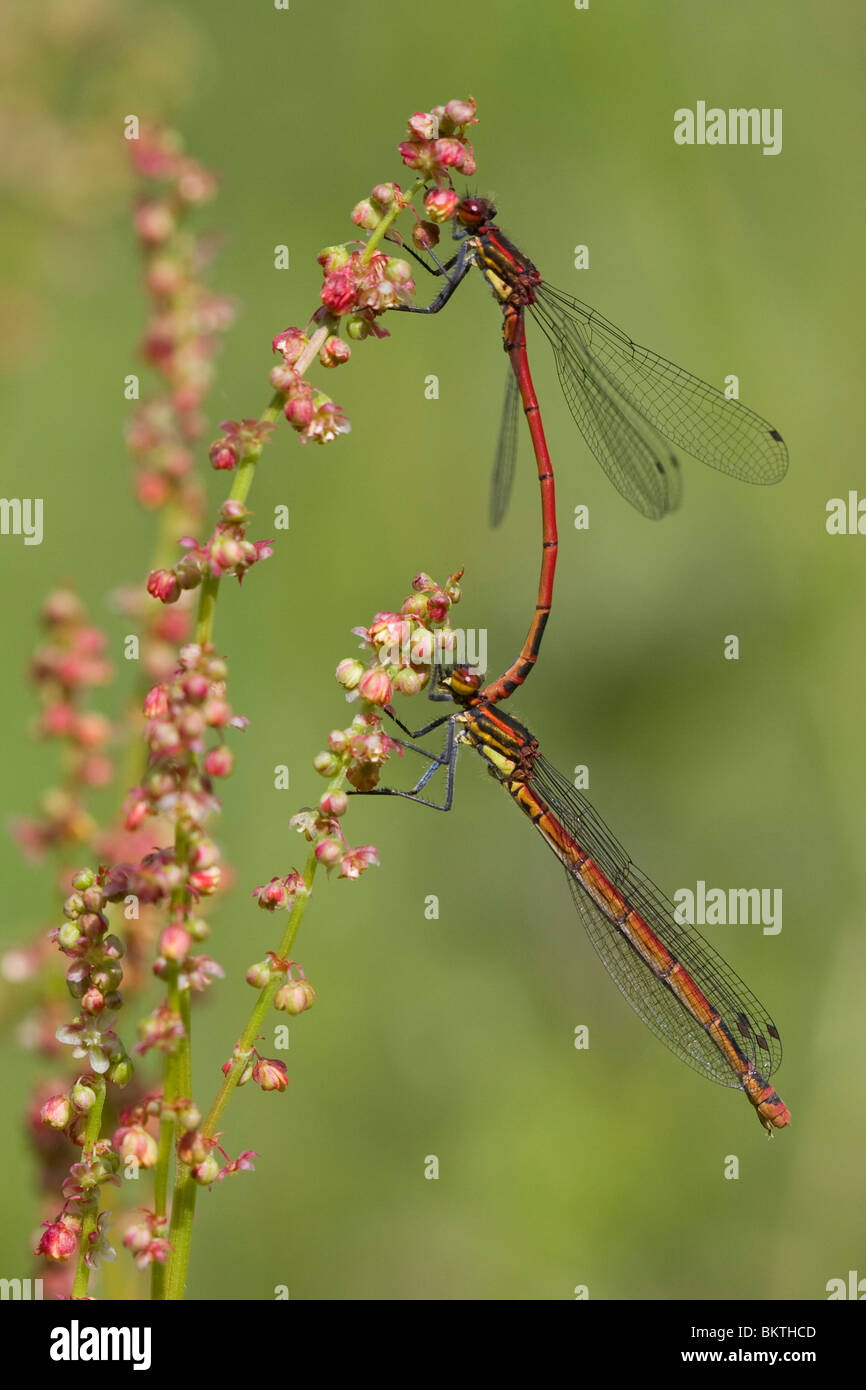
column 674, row 980
column 632, row 406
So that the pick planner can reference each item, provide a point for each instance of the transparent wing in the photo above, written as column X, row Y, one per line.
column 506, row 452
column 636, row 964
column 631, row 405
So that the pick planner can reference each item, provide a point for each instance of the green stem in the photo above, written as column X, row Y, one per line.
column 171, row 1089
column 245, row 1046
column 91, row 1214
column 390, row 216
column 180, row 1234
column 240, row 489
column 176, row 1081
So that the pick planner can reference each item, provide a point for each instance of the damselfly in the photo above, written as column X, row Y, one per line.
column 674, row 980
column 631, row 405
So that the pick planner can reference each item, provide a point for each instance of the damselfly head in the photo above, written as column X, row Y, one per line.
column 462, row 683
column 473, row 212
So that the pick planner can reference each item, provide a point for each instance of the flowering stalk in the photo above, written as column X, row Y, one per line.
column 66, row 666
column 359, row 285
column 188, row 716
column 400, row 647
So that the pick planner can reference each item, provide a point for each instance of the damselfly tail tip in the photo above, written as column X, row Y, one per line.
column 774, row 1114
column 772, row 1111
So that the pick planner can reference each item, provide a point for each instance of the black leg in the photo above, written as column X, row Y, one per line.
column 447, row 758
column 439, row 269
column 461, row 264
column 416, row 733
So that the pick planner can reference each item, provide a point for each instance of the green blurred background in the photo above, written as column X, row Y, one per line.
column 454, row 1037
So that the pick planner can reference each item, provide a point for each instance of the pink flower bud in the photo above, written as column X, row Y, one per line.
column 135, row 1142
column 222, row 454
column 439, row 204
column 154, row 222
column 83, row 1096
column 191, row 726
column 294, row 997
column 398, row 271
column 175, row 943
column 333, row 258
column 259, row 974
column 290, row 343
column 192, row 1147
column 189, row 1116
column 422, row 647
column 163, row 585
column 92, row 1001
column 299, row 409
column 156, row 702
column 206, row 881
column 409, row 681
column 349, row 673
column 270, row 1074
column 375, row 686
column 423, row 125
column 217, row 712
column 450, row 153
column 59, row 1241
column 417, row 154
column 219, row 762
column 338, row 292
column 384, row 195
column 272, row 895
column 164, row 276
column 387, row 630
column 334, row 352
column 68, row 936
column 461, row 112
column 468, row 167
column 365, row 215
column 206, row 1172
column 137, row 811
column 56, row 1112
column 329, row 852
column 325, row 764
column 188, row 573
column 283, row 378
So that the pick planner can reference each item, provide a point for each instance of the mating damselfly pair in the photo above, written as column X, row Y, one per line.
column 634, row 409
